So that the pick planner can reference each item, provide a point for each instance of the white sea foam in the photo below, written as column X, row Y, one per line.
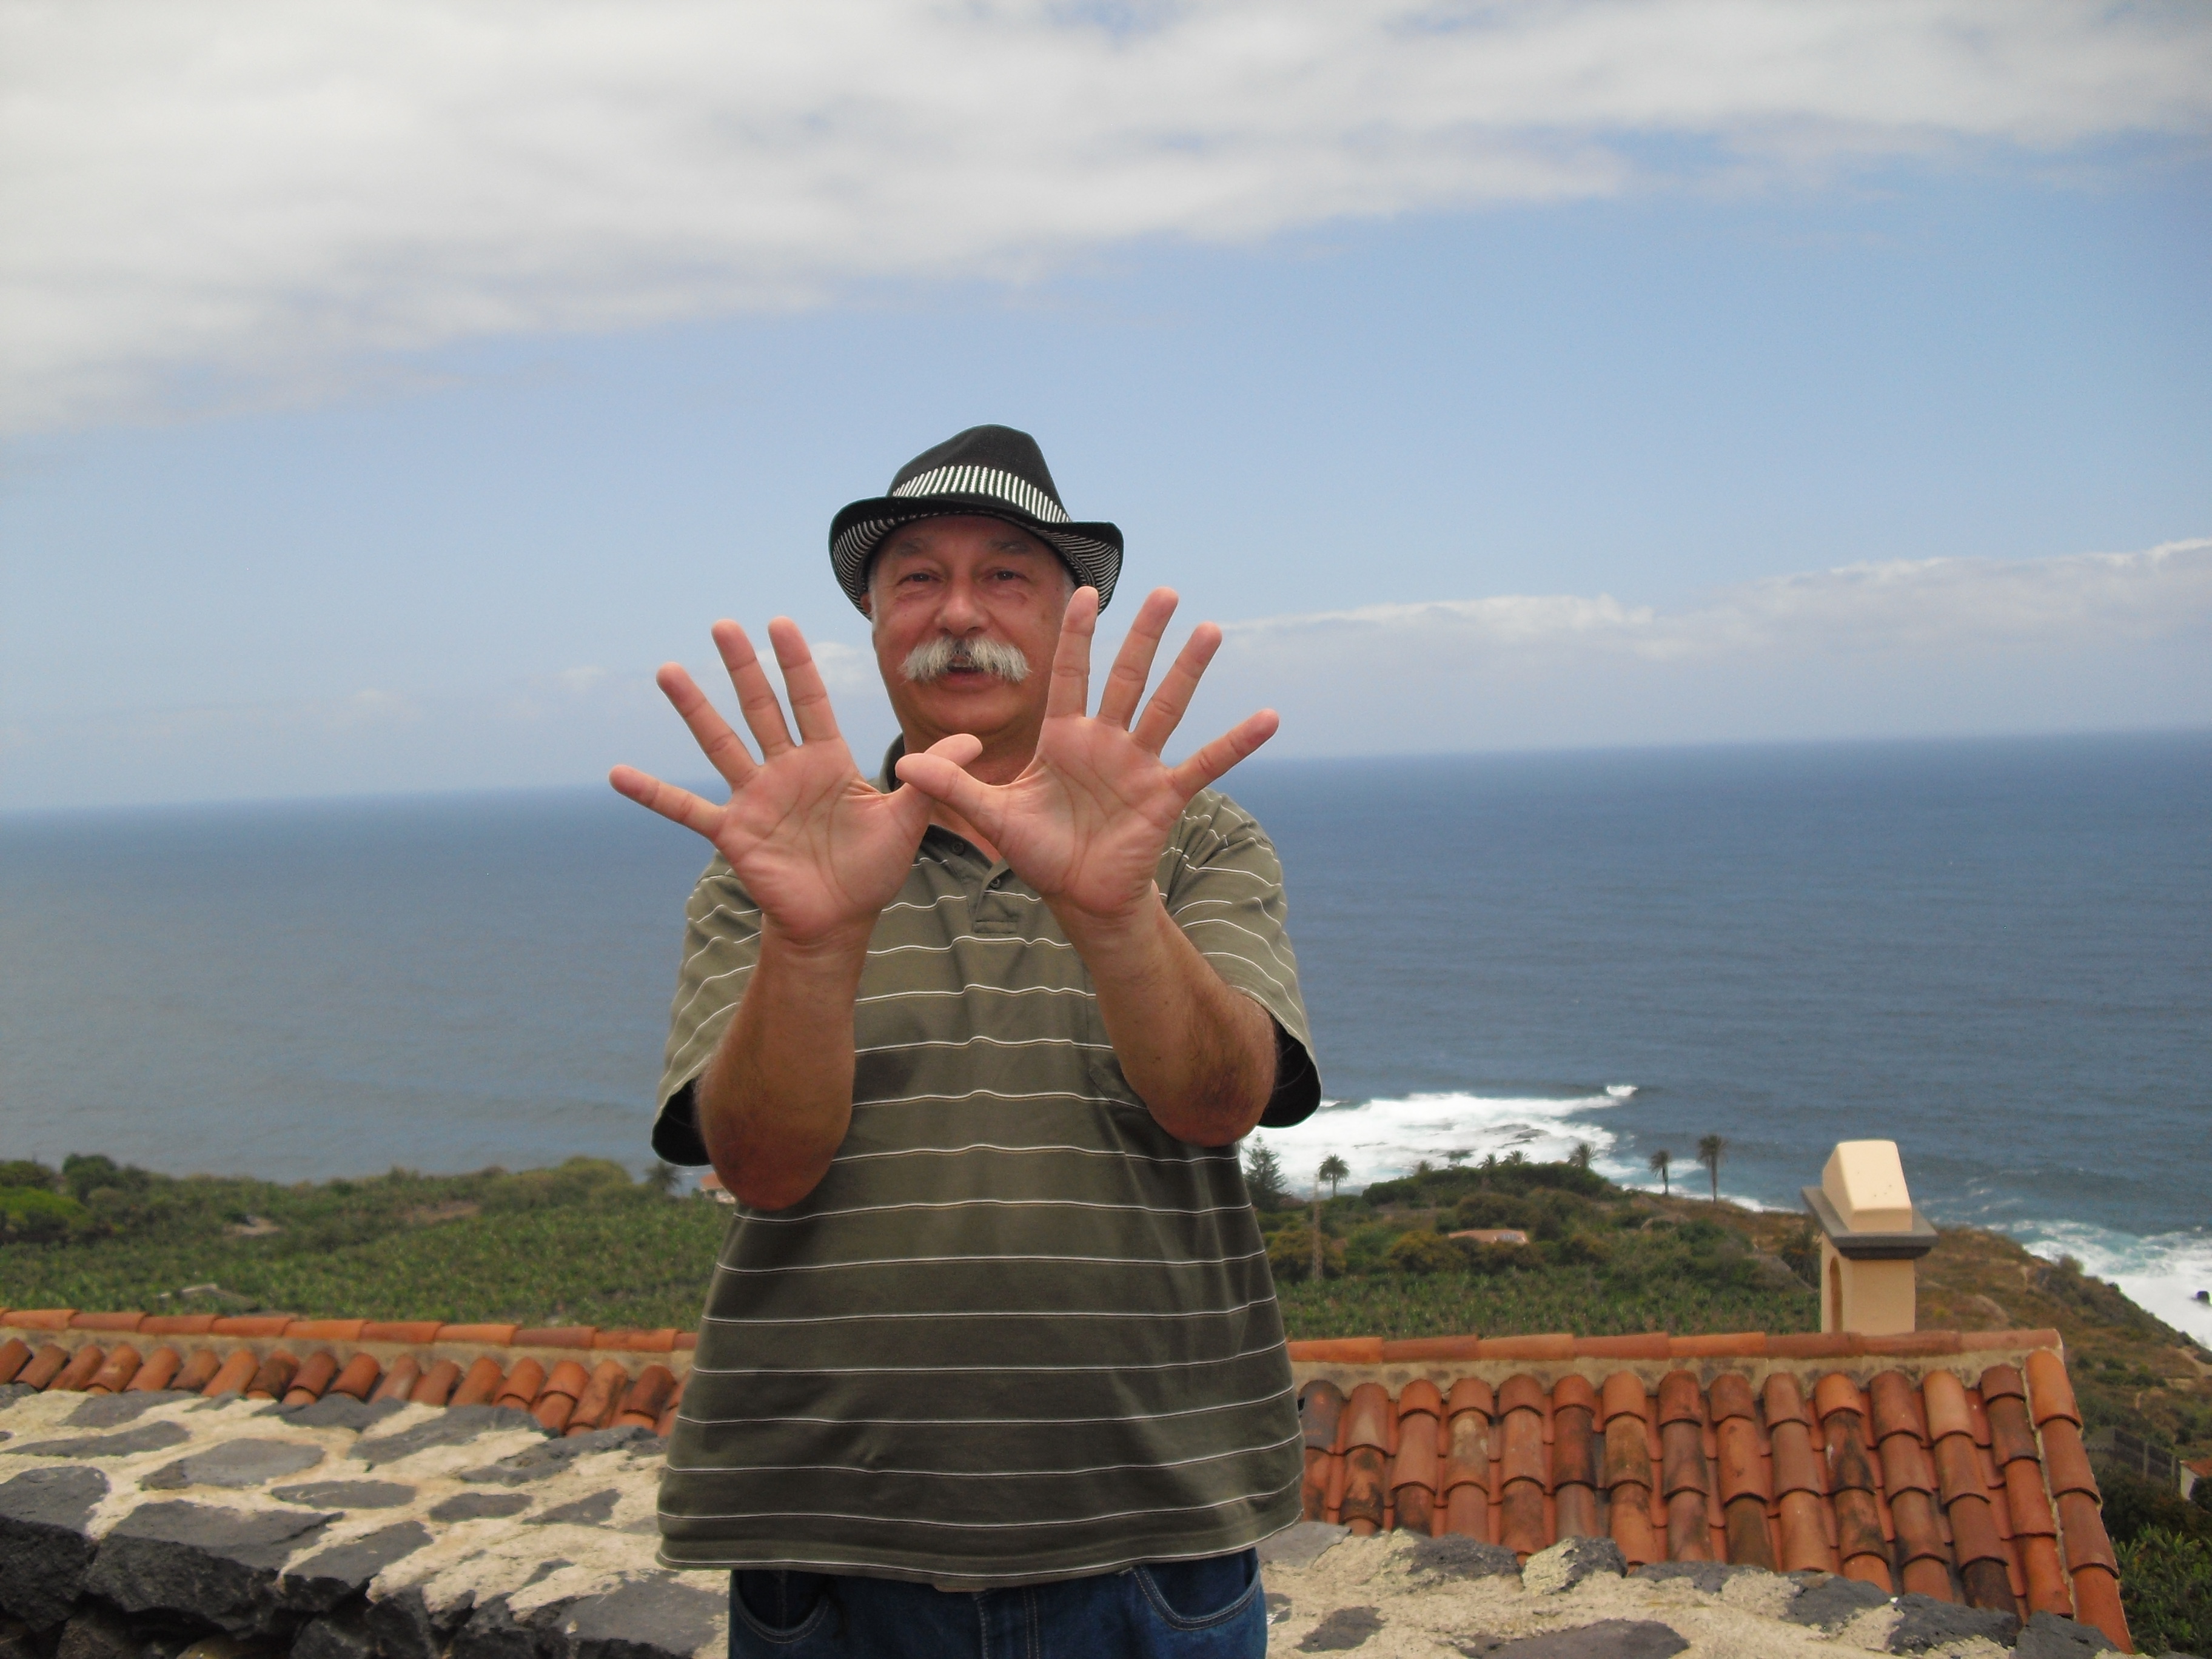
column 2162, row 1272
column 1382, row 1139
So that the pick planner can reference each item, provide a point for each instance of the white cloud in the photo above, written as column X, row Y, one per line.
column 206, row 199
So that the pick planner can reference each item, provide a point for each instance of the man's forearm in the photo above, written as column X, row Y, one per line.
column 775, row 1099
column 1200, row 1056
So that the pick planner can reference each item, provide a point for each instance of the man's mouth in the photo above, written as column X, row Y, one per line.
column 942, row 658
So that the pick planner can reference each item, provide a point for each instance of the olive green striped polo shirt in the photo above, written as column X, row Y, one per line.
column 1018, row 1332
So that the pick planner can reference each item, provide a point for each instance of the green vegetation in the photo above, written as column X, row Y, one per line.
column 2166, row 1585
column 582, row 1243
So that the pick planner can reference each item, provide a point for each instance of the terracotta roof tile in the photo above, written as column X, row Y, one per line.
column 1743, row 1473
column 1958, row 1472
column 523, row 1385
column 596, row 1405
column 106, row 1322
column 2002, row 1383
column 14, row 1354
column 1341, row 1350
column 1573, row 1389
column 1896, row 1407
column 325, row 1330
column 2050, row 1394
column 645, row 1399
column 2028, row 1504
column 1805, row 1546
column 481, row 1384
column 2012, row 1436
column 2097, row 1597
column 555, row 1336
column 413, row 1332
column 1749, row 1543
column 1360, row 1507
column 232, row 1373
column 42, row 1319
column 1682, row 1460
column 1416, row 1348
column 1796, row 1467
column 1851, row 1464
column 158, row 1373
column 1574, row 1513
column 568, row 1378
column 436, row 1385
column 1470, row 1394
column 1872, row 1570
column 1623, row 1395
column 1632, row 1527
column 2049, row 1589
column 1466, row 1450
column 1687, row 1530
column 1730, row 1395
column 1905, row 1466
column 1367, row 1419
column 553, row 1411
column 1858, row 1525
column 1520, row 1393
column 83, row 1365
column 1681, row 1400
column 1739, row 1344
column 1523, row 1458
column 499, row 1335
column 1416, row 1463
column 122, row 1365
column 636, row 1341
column 198, row 1371
column 44, row 1366
column 272, row 1376
column 1973, row 1531
column 2082, row 1535
column 685, row 1342
column 1520, row 1519
column 1925, row 1576
column 357, row 1380
column 250, row 1325
column 1833, row 1393
column 176, row 1325
column 399, row 1382
column 1989, row 1585
column 1419, row 1396
column 1651, row 1346
column 313, row 1378
column 1574, row 1449
column 666, row 1425
column 2064, row 1461
column 1627, row 1454
column 1553, row 1346
column 1944, row 1399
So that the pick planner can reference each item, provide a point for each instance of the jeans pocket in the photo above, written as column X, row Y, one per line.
column 1200, row 1594
column 779, row 1606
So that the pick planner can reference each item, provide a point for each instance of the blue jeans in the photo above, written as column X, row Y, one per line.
column 1208, row 1609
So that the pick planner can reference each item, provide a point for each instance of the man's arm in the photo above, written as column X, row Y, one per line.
column 1200, row 1056
column 1085, row 825
column 821, row 852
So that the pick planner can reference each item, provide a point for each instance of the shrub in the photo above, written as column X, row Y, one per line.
column 1491, row 1258
column 2166, row 1585
column 24, row 1172
column 1425, row 1252
column 1580, row 1249
column 1290, row 1255
column 32, row 1215
column 1493, row 1210
column 2133, row 1506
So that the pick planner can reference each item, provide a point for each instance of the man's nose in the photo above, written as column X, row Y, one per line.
column 961, row 611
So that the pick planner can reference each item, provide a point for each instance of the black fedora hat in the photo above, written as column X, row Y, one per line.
column 993, row 472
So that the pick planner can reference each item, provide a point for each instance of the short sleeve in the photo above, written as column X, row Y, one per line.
column 1223, row 887
column 722, row 944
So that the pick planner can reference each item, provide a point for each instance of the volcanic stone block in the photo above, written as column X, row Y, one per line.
column 2047, row 1636
column 1303, row 1545
column 108, row 1411
column 44, row 1551
column 1455, row 1556
column 494, row 1632
column 586, row 1511
column 131, row 1442
column 97, row 1631
column 655, row 1617
column 1925, row 1622
column 1834, row 1602
column 339, row 1411
column 322, row 1581
column 1711, row 1577
column 238, row 1463
column 347, row 1494
column 219, row 1566
column 1345, row 1629
column 339, row 1636
column 1568, row 1562
column 402, row 1627
column 1608, row 1638
column 542, row 1462
column 456, row 1425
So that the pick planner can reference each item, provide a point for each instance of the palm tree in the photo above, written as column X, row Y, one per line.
column 1660, row 1162
column 1580, row 1157
column 1334, row 1169
column 1709, row 1149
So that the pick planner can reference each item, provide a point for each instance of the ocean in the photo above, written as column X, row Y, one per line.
column 1997, row 953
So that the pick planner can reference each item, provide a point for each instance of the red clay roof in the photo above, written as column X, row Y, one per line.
column 1912, row 1465
column 297, row 1361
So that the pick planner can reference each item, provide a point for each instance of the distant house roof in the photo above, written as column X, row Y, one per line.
column 1946, row 1463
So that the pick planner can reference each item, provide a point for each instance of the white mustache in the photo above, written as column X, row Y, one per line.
column 936, row 657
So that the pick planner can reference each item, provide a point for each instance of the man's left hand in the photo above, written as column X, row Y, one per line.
column 1087, row 821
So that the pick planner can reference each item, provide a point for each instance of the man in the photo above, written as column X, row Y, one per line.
column 991, row 1362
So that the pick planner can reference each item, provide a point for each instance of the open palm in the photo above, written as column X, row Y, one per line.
column 1086, row 821
column 813, row 843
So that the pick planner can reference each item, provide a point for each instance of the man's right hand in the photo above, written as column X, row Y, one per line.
column 819, row 850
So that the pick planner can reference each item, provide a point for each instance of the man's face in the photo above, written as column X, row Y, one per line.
column 947, row 597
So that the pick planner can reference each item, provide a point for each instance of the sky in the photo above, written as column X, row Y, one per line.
column 386, row 391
